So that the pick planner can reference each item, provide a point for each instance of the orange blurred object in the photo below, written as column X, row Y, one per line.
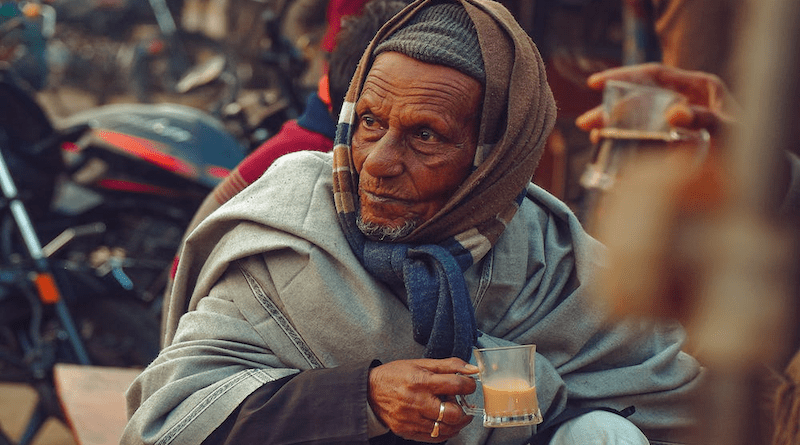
column 46, row 285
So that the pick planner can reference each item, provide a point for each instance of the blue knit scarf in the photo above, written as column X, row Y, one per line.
column 442, row 315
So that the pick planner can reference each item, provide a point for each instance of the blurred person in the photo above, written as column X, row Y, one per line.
column 315, row 128
column 697, row 35
column 787, row 405
column 338, row 298
column 691, row 192
column 694, row 189
column 305, row 23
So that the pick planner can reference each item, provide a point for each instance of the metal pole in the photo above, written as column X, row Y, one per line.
column 34, row 247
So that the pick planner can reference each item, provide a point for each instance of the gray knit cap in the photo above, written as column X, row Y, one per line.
column 442, row 34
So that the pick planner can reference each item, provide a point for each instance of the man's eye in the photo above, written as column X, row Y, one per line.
column 368, row 121
column 427, row 135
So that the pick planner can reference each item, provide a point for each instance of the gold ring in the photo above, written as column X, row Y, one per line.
column 441, row 412
column 435, row 432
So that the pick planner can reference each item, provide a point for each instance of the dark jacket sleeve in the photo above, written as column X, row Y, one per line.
column 320, row 406
column 316, row 406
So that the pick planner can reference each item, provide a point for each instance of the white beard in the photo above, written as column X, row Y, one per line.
column 383, row 233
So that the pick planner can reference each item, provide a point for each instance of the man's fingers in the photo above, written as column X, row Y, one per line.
column 699, row 87
column 595, row 135
column 451, row 365
column 655, row 74
column 590, row 119
column 432, row 376
column 694, row 118
column 410, row 395
column 435, row 425
column 448, row 430
column 446, row 424
column 449, row 412
column 681, row 115
column 451, row 384
column 643, row 73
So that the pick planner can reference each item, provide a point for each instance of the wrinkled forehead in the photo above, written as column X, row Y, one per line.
column 393, row 71
column 415, row 95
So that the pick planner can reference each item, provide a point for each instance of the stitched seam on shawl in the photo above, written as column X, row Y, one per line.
column 281, row 319
column 205, row 403
column 486, row 279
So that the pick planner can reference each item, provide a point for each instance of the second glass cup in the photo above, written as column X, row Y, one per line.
column 635, row 124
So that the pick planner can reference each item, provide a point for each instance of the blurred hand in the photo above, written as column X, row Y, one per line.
column 710, row 104
column 658, row 213
column 406, row 396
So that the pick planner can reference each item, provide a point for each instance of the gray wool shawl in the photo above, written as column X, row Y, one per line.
column 274, row 289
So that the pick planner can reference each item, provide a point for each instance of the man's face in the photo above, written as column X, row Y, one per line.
column 414, row 141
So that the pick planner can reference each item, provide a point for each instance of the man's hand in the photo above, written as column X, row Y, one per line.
column 711, row 106
column 407, row 395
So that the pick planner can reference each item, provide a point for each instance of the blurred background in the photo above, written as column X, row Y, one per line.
column 118, row 117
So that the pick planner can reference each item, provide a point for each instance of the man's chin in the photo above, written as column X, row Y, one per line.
column 380, row 232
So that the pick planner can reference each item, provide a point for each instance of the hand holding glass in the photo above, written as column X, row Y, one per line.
column 635, row 125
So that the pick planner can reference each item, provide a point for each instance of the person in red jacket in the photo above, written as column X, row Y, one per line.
column 351, row 26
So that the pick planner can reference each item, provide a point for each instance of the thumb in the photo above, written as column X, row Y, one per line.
column 452, row 365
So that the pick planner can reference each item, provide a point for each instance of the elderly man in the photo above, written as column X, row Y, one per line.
column 338, row 298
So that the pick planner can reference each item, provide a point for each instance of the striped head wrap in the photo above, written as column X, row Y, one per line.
column 430, row 261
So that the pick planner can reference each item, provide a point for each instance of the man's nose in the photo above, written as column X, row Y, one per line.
column 385, row 156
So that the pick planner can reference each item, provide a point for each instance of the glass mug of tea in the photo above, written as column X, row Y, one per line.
column 509, row 387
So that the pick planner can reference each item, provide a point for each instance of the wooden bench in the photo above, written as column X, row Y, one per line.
column 93, row 400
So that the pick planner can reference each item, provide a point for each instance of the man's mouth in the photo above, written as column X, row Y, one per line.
column 382, row 198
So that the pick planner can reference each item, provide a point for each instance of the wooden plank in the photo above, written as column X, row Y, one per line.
column 93, row 399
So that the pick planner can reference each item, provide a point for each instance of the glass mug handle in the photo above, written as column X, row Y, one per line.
column 469, row 409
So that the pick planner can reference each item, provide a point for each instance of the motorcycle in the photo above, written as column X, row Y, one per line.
column 93, row 211
column 93, row 208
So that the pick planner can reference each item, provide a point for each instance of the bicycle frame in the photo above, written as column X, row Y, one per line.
column 48, row 293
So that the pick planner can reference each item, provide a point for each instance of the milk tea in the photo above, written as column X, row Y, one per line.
column 508, row 397
column 509, row 388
